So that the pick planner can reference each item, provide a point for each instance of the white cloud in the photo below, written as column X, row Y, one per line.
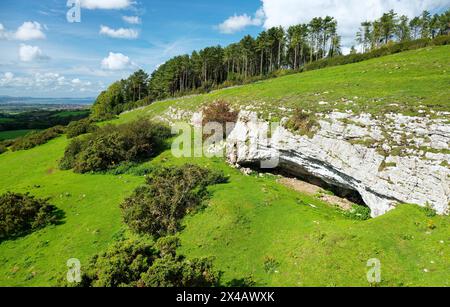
column 119, row 33
column 116, row 61
column 134, row 20
column 3, row 33
column 349, row 14
column 105, row 4
column 45, row 82
column 30, row 30
column 237, row 23
column 8, row 76
column 30, row 53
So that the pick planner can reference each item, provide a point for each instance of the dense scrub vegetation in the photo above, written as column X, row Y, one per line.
column 38, row 120
column 170, row 193
column 36, row 138
column 77, row 128
column 274, row 52
column 21, row 214
column 2, row 148
column 137, row 263
column 111, row 145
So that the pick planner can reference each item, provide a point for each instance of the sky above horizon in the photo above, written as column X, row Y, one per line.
column 45, row 55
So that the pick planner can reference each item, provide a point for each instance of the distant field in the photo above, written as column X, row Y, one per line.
column 14, row 134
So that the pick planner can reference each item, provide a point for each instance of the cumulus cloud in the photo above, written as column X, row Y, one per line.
column 119, row 33
column 237, row 23
column 29, row 53
column 349, row 14
column 105, row 4
column 116, row 61
column 29, row 30
column 134, row 20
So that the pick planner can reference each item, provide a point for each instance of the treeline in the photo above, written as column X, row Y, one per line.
column 274, row 52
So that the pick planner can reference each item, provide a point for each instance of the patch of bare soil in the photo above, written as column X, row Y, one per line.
column 310, row 189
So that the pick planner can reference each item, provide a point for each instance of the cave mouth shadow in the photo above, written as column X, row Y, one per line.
column 301, row 174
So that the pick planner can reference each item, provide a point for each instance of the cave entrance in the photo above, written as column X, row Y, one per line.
column 301, row 174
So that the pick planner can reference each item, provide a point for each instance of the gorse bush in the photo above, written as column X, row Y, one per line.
column 111, row 145
column 21, row 214
column 80, row 127
column 3, row 148
column 37, row 138
column 137, row 263
column 170, row 193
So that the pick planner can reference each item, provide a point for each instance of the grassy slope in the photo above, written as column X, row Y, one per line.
column 249, row 218
column 410, row 79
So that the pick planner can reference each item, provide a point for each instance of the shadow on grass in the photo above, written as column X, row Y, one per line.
column 57, row 219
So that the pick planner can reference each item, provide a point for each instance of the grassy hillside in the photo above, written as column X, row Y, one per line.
column 412, row 81
column 252, row 219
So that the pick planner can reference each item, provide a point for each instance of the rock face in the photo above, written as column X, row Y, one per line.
column 383, row 180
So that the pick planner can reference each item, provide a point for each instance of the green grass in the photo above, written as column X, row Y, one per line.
column 14, row 134
column 250, row 218
column 415, row 80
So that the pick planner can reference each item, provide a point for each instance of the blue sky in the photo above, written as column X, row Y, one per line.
column 43, row 55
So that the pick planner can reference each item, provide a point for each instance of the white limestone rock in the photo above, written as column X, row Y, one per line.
column 331, row 157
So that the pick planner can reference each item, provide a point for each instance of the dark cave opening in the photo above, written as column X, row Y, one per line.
column 295, row 172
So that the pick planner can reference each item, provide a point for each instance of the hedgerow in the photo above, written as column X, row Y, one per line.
column 37, row 138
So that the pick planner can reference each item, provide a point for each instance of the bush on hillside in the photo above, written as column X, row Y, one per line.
column 220, row 112
column 170, row 193
column 112, row 145
column 137, row 263
column 37, row 138
column 80, row 127
column 21, row 214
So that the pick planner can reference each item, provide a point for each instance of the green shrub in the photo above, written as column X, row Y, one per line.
column 80, row 127
column 37, row 138
column 172, row 271
column 21, row 214
column 170, row 194
column 111, row 145
column 137, row 263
